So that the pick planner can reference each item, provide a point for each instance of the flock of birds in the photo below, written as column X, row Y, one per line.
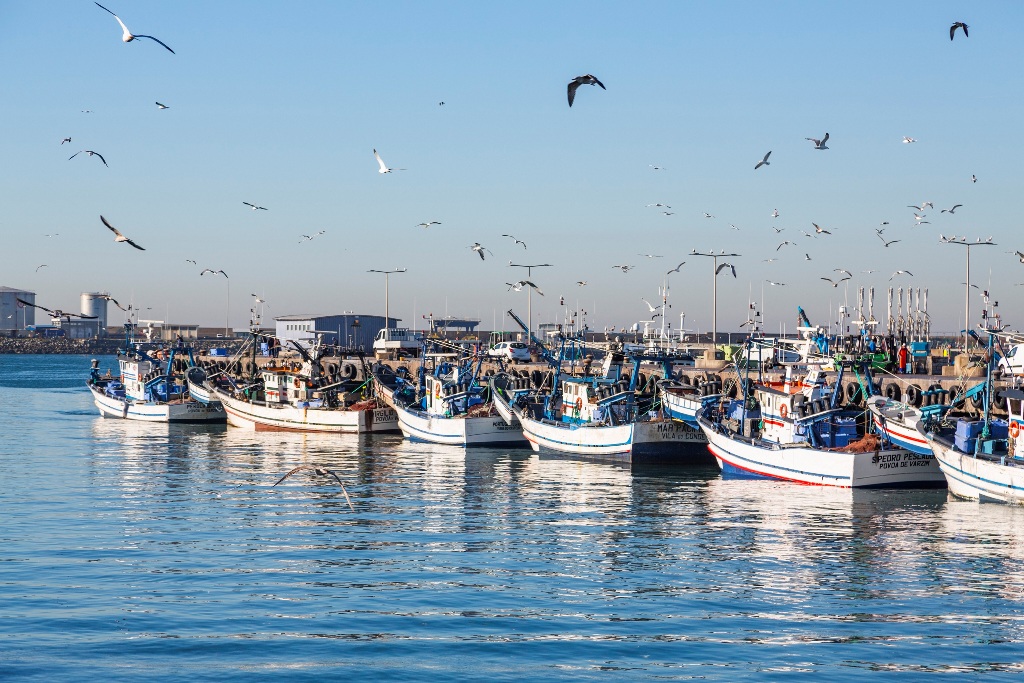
column 818, row 144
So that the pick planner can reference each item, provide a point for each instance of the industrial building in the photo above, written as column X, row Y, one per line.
column 13, row 315
column 347, row 329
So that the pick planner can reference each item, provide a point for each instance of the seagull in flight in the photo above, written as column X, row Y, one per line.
column 776, row 284
column 1020, row 255
column 56, row 313
column 322, row 471
column 254, row 207
column 651, row 309
column 769, row 260
column 427, row 224
column 188, row 260
column 676, row 269
column 661, row 205
column 924, row 205
column 480, row 249
column 819, row 230
column 581, row 283
column 775, row 213
column 723, row 266
column 651, row 255
column 707, row 215
column 907, row 141
column 161, row 106
column 656, row 168
column 128, row 36
column 955, row 26
column 41, row 266
column 258, row 299
column 955, row 207
column 65, row 140
column 842, row 270
column 53, row 234
column 919, row 219
column 118, row 237
column 669, row 213
column 833, row 282
column 784, row 244
column 764, row 161
column 819, row 144
column 624, row 269
column 901, row 272
column 586, row 79
column 777, row 230
column 517, row 240
column 807, row 257
column 111, row 299
column 90, row 153
column 887, row 242
column 523, row 283
column 974, row 178
column 214, row 272
column 383, row 167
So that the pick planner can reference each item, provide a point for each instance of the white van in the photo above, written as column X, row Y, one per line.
column 396, row 340
column 1013, row 362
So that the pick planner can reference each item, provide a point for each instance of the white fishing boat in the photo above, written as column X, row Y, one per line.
column 983, row 459
column 683, row 401
column 147, row 389
column 799, row 433
column 454, row 411
column 897, row 420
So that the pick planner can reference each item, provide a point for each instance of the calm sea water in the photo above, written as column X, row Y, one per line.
column 145, row 552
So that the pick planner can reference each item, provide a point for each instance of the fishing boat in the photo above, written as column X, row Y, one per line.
column 797, row 431
column 450, row 406
column 982, row 459
column 297, row 396
column 603, row 417
column 897, row 420
column 147, row 388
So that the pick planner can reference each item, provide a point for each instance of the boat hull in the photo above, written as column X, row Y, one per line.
column 657, row 442
column 150, row 411
column 458, row 431
column 262, row 417
column 980, row 478
column 685, row 408
column 885, row 468
column 898, row 422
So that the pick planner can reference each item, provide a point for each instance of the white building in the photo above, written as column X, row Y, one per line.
column 13, row 315
column 345, row 329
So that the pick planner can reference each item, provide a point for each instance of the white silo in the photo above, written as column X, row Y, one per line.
column 95, row 303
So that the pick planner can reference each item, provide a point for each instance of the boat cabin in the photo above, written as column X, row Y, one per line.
column 800, row 412
column 1015, row 408
column 588, row 401
column 448, row 398
column 281, row 385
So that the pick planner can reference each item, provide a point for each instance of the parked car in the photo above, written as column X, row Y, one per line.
column 1013, row 362
column 517, row 352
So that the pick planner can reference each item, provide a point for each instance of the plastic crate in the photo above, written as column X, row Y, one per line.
column 968, row 429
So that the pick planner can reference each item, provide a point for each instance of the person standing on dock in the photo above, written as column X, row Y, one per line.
column 903, row 359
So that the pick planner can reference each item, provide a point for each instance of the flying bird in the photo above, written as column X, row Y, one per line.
column 901, row 272
column 43, row 265
column 214, row 272
column 777, row 230
column 254, row 207
column 322, row 471
column 661, row 205
column 384, row 167
column 624, row 269
column 707, row 215
column 517, row 240
column 807, row 257
column 842, row 270
column 128, row 36
column 118, row 237
column 519, row 285
column 90, row 153
column 651, row 255
column 920, row 219
column 819, row 144
column 833, row 282
column 65, row 140
column 887, row 242
column 775, row 213
column 651, row 308
column 1020, row 255
column 764, row 161
column 784, row 244
column 723, row 266
column 480, row 249
column 924, row 205
column 586, row 79
column 819, row 230
column 669, row 213
column 188, row 260
column 676, row 269
column 776, row 284
column 427, row 224
column 112, row 299
column 955, row 207
column 907, row 140
column 955, row 26
column 161, row 106
column 53, row 234
column 56, row 313
column 258, row 299
column 769, row 260
column 581, row 283
column 974, row 178
column 656, row 168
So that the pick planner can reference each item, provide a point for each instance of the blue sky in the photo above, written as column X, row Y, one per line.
column 280, row 104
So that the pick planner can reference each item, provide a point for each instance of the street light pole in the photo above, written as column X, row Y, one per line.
column 967, row 285
column 387, row 295
column 714, row 291
column 529, row 293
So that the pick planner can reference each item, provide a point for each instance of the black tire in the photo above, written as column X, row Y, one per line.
column 892, row 391
column 349, row 370
column 1000, row 402
column 853, row 393
column 684, row 378
column 978, row 400
column 914, row 395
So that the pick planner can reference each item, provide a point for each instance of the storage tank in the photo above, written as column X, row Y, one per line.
column 95, row 303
